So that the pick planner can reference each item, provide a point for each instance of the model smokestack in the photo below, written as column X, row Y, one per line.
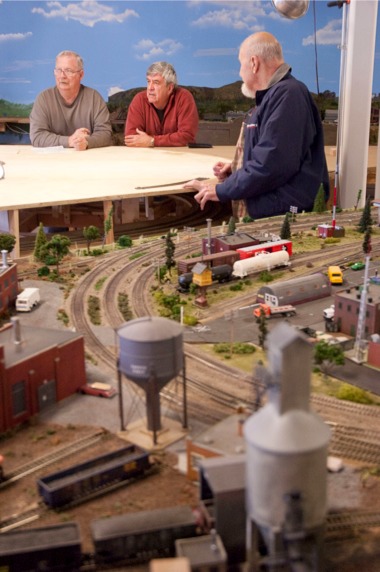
column 16, row 330
column 4, row 254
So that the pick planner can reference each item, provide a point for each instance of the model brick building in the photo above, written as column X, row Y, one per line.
column 38, row 367
column 347, row 304
column 8, row 283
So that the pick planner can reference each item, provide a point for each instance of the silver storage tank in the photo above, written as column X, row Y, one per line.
column 150, row 355
column 150, row 346
column 287, row 444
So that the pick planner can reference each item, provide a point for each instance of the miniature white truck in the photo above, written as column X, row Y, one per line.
column 27, row 299
column 328, row 313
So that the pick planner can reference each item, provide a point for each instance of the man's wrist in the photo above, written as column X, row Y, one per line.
column 151, row 142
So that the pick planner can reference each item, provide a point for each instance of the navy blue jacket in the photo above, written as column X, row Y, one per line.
column 284, row 159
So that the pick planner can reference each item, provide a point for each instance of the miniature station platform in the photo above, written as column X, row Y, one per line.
column 58, row 177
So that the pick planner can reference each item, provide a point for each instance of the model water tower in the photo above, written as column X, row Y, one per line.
column 151, row 355
column 286, row 471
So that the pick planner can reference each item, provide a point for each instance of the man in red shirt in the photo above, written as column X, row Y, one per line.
column 164, row 115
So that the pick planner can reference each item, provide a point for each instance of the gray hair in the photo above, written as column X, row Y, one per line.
column 166, row 70
column 263, row 45
column 69, row 53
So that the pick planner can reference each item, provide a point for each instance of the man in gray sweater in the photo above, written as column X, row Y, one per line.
column 70, row 114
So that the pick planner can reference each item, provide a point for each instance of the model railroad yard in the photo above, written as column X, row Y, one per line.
column 215, row 389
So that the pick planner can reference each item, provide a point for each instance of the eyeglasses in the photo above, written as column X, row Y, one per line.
column 68, row 72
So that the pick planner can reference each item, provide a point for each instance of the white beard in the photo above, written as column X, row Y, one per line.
column 247, row 92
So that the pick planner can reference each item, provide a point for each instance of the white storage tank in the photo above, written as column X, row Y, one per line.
column 262, row 261
column 287, row 444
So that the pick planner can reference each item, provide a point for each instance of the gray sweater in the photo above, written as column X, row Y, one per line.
column 53, row 121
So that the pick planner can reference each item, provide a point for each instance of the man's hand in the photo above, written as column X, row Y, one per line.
column 222, row 170
column 141, row 139
column 79, row 139
column 206, row 192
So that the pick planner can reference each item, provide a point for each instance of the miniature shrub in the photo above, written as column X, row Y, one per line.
column 136, row 255
column 237, row 348
column 63, row 317
column 190, row 320
column 93, row 309
column 100, row 282
column 124, row 241
column 97, row 251
column 123, row 305
column 237, row 287
column 351, row 393
column 332, row 240
column 43, row 271
column 266, row 276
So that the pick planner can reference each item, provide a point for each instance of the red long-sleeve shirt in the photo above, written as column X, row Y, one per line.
column 179, row 125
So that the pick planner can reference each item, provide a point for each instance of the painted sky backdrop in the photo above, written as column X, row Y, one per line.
column 119, row 40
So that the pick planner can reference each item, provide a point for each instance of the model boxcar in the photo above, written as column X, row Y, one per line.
column 140, row 536
column 76, row 482
column 216, row 259
column 272, row 246
column 295, row 291
column 55, row 548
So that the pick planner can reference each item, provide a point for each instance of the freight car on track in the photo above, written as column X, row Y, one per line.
column 140, row 536
column 216, row 259
column 55, row 548
column 220, row 274
column 272, row 246
column 295, row 291
column 262, row 261
column 86, row 479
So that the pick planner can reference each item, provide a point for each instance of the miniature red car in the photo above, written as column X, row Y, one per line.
column 98, row 389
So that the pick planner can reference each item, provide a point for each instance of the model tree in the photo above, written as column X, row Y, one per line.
column 320, row 201
column 263, row 328
column 367, row 241
column 366, row 218
column 169, row 252
column 358, row 197
column 327, row 356
column 41, row 240
column 108, row 224
column 286, row 233
column 58, row 247
column 7, row 241
column 90, row 233
column 231, row 225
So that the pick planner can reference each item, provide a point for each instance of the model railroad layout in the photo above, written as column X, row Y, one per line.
column 110, row 539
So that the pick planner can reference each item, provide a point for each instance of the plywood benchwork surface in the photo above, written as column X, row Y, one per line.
column 57, row 176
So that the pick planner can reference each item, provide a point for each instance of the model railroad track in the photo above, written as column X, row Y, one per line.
column 330, row 407
column 140, row 301
column 359, row 445
column 350, row 522
column 52, row 457
column 29, row 515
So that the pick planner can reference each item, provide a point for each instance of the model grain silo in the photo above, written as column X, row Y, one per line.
column 286, row 479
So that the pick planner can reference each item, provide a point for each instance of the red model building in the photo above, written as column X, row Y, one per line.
column 38, row 367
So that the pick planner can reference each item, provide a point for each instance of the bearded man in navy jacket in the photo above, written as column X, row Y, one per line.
column 283, row 161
